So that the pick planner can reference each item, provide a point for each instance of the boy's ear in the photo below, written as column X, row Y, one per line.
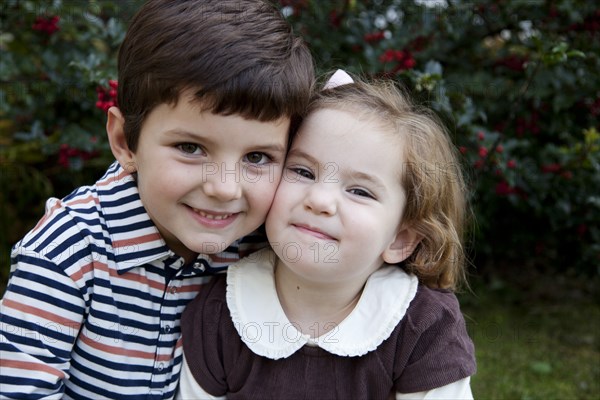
column 117, row 141
column 402, row 246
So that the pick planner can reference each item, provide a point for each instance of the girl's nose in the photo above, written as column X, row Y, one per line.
column 321, row 199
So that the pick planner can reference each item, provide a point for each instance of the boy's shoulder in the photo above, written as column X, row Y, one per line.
column 88, row 216
column 85, row 204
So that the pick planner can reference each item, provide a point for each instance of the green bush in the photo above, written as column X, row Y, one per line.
column 57, row 57
column 516, row 82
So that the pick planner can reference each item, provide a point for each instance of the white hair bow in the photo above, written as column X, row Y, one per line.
column 340, row 78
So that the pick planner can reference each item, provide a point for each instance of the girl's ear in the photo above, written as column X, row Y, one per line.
column 402, row 246
column 117, row 141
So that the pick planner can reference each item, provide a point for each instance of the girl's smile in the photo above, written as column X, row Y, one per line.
column 340, row 202
column 314, row 232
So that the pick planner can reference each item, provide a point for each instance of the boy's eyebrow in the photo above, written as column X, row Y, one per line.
column 184, row 134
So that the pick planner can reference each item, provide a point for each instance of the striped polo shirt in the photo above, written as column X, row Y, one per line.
column 94, row 300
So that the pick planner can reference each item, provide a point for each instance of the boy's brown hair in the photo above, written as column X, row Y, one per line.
column 239, row 56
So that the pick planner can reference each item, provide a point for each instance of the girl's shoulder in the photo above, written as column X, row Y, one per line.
column 432, row 344
column 433, row 307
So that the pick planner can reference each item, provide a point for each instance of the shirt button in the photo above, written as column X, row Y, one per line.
column 160, row 367
column 173, row 289
column 167, row 328
column 199, row 266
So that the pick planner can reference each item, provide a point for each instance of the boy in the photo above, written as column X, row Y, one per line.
column 209, row 93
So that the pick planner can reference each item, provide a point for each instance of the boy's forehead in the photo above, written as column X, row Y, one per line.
column 191, row 97
column 193, row 101
column 197, row 99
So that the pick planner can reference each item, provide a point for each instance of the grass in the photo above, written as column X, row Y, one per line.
column 536, row 340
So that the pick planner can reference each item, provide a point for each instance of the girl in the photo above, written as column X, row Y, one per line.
column 354, row 299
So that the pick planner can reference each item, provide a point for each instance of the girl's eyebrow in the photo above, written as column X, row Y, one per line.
column 373, row 180
column 302, row 154
column 354, row 174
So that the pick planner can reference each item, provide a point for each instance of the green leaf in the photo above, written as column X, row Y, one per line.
column 576, row 53
column 541, row 367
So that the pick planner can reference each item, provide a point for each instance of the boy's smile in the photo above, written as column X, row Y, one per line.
column 206, row 179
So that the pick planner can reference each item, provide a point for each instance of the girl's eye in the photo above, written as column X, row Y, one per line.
column 361, row 192
column 257, row 158
column 304, row 173
column 189, row 148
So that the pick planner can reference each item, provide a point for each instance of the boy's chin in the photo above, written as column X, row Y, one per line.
column 210, row 247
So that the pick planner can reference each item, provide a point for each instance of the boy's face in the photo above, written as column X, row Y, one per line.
column 337, row 213
column 205, row 179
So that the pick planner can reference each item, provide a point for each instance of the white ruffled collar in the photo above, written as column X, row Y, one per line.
column 263, row 326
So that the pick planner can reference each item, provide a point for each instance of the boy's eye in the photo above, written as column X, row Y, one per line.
column 189, row 148
column 302, row 172
column 361, row 192
column 257, row 158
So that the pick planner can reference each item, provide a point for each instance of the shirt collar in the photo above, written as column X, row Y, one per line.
column 136, row 240
column 263, row 326
column 134, row 237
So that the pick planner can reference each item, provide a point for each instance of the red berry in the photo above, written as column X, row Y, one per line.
column 356, row 48
column 374, row 37
column 568, row 175
column 504, row 189
column 551, row 168
column 410, row 63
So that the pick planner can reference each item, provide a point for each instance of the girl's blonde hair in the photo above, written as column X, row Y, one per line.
column 436, row 206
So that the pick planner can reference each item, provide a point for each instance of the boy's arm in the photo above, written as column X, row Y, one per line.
column 40, row 316
column 459, row 390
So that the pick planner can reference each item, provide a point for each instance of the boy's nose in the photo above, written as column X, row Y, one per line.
column 223, row 183
column 321, row 199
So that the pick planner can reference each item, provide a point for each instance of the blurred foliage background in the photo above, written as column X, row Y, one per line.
column 516, row 82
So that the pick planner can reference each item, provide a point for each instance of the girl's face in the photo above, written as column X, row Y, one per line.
column 337, row 212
